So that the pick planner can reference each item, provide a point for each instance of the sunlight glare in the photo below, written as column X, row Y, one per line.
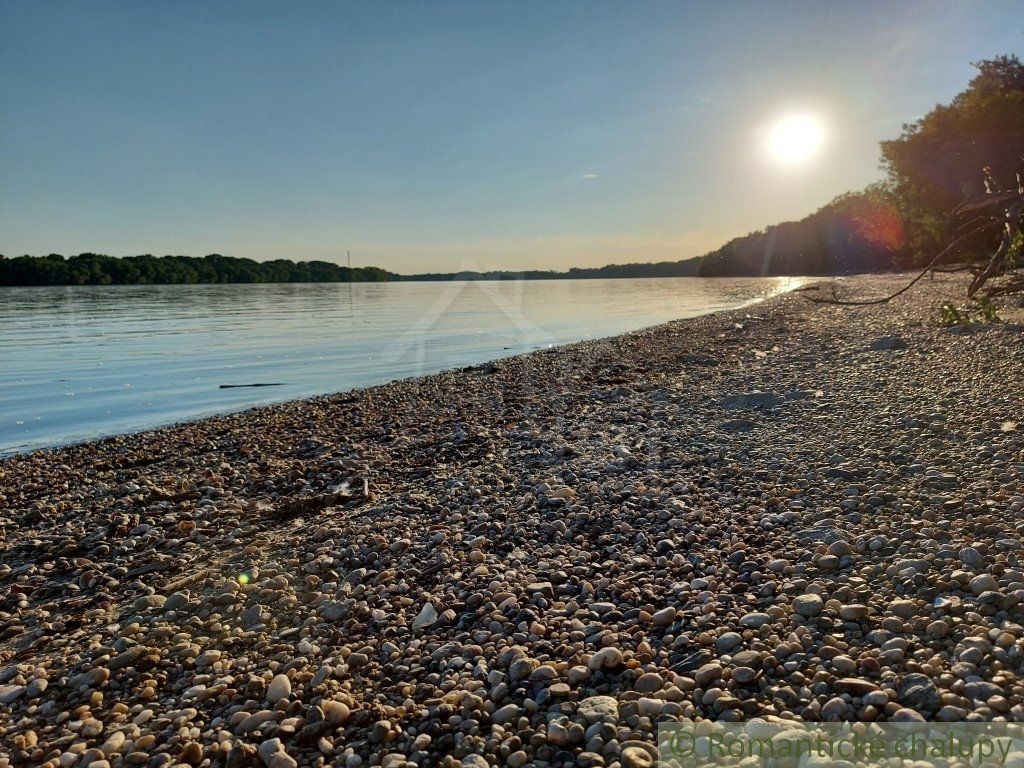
column 795, row 139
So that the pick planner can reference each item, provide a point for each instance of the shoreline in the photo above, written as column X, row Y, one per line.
column 456, row 277
column 511, row 278
column 7, row 453
column 750, row 513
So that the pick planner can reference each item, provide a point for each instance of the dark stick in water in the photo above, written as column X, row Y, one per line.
column 236, row 386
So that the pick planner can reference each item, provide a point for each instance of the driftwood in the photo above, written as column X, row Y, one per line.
column 997, row 208
column 259, row 384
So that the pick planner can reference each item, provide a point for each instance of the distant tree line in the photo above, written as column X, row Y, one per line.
column 685, row 268
column 97, row 269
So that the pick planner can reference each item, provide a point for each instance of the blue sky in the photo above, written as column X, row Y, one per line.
column 432, row 136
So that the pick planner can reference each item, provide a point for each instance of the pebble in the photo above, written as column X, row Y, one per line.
column 855, row 685
column 664, row 617
column 336, row 712
column 649, row 682
column 844, row 665
column 971, row 557
column 834, row 709
column 886, row 343
column 745, row 675
column 11, row 693
column 905, row 609
column 707, row 673
column 598, row 709
column 606, row 658
column 840, row 548
column 115, row 741
column 506, row 714
column 280, row 688
column 854, row 612
column 636, row 757
column 808, row 605
column 755, row 620
column 192, row 753
column 983, row 583
column 91, row 727
column 272, row 753
column 729, row 640
column 427, row 616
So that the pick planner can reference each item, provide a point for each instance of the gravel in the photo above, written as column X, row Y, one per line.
column 535, row 561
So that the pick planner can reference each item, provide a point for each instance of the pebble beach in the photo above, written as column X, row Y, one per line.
column 793, row 511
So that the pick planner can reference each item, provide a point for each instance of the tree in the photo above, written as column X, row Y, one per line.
column 940, row 160
column 98, row 269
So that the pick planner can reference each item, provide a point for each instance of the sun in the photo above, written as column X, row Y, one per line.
column 796, row 139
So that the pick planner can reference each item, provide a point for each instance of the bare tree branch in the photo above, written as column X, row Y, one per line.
column 996, row 208
column 930, row 266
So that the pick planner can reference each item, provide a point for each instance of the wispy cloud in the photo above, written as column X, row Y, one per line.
column 589, row 176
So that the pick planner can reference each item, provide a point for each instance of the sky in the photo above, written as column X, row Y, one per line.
column 447, row 135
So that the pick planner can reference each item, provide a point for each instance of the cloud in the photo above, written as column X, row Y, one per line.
column 589, row 176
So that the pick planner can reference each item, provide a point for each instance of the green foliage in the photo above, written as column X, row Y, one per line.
column 949, row 314
column 983, row 311
column 939, row 160
column 97, row 269
column 987, row 309
column 1015, row 254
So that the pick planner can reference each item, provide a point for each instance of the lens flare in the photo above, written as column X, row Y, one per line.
column 879, row 224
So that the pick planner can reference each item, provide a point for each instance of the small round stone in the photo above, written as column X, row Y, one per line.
column 808, row 605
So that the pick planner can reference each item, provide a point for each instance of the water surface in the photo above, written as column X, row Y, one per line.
column 81, row 362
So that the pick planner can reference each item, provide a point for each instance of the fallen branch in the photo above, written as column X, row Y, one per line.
column 997, row 207
column 928, row 268
column 998, row 265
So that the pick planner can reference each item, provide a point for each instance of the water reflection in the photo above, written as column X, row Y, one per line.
column 86, row 361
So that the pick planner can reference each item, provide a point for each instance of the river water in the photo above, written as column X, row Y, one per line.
column 81, row 362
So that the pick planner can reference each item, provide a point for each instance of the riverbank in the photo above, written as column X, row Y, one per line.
column 137, row 358
column 465, row 566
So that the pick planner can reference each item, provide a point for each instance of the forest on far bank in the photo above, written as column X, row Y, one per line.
column 97, row 269
column 900, row 222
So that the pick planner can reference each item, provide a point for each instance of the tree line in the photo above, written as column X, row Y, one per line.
column 97, row 269
column 684, row 268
